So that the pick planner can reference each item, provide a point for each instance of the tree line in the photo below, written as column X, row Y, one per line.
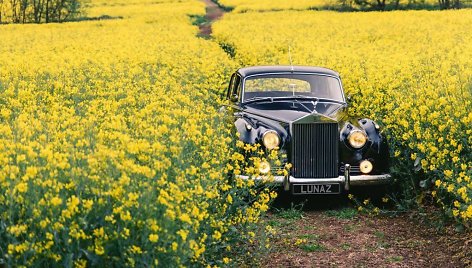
column 360, row 5
column 39, row 11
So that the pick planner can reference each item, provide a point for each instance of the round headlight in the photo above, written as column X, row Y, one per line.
column 264, row 167
column 366, row 166
column 357, row 139
column 271, row 139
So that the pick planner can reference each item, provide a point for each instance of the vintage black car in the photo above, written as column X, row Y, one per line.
column 301, row 111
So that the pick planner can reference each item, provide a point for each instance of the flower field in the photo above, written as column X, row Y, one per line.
column 112, row 150
column 241, row 6
column 409, row 70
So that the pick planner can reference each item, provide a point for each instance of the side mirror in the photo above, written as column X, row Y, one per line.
column 234, row 98
column 348, row 98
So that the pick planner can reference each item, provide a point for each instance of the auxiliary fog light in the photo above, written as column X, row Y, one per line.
column 264, row 167
column 366, row 166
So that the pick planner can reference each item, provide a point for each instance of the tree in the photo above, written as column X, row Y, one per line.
column 396, row 4
column 448, row 4
column 1, row 10
column 37, row 11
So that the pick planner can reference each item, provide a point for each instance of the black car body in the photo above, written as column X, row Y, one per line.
column 301, row 111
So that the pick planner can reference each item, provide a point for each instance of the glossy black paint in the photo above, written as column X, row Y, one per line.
column 253, row 119
column 375, row 150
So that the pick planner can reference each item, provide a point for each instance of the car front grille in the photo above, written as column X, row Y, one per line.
column 315, row 150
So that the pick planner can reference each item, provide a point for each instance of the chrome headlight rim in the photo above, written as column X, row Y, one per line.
column 264, row 141
column 352, row 144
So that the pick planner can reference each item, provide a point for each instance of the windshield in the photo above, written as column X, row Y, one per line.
column 289, row 84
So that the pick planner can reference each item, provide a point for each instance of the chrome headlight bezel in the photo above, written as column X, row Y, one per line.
column 354, row 140
column 270, row 144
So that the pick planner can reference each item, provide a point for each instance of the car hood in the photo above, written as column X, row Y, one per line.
column 291, row 112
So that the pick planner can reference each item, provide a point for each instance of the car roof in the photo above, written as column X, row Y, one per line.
column 252, row 70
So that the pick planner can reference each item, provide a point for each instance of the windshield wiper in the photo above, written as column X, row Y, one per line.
column 301, row 97
column 313, row 98
column 256, row 99
column 304, row 106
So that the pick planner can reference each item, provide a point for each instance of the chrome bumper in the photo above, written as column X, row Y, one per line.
column 347, row 180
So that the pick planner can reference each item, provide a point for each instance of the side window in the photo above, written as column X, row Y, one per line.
column 234, row 88
column 237, row 86
column 230, row 87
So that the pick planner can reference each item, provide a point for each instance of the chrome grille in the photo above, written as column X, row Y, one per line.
column 315, row 150
column 354, row 169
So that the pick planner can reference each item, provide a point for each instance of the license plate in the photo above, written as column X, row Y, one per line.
column 332, row 188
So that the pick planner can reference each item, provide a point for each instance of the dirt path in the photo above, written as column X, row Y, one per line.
column 213, row 12
column 342, row 237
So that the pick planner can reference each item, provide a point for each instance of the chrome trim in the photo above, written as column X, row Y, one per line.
column 363, row 180
column 286, row 183
column 315, row 152
column 267, row 132
column 347, row 176
column 323, row 116
column 339, row 179
column 352, row 132
column 243, row 84
column 360, row 180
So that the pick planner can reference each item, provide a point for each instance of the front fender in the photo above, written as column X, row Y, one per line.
column 251, row 128
column 376, row 149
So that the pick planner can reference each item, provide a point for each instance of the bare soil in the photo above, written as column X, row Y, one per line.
column 213, row 12
column 343, row 237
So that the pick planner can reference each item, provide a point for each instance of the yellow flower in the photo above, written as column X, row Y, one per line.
column 185, row 218
column 125, row 216
column 56, row 201
column 455, row 212
column 183, row 234
column 80, row 263
column 99, row 250
column 136, row 249
column 88, row 204
column 217, row 235
column 448, row 173
column 229, row 199
column 22, row 187
column 100, row 232
column 174, row 246
column 153, row 238
column 450, row 188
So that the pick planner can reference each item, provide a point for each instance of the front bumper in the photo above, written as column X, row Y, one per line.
column 346, row 181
